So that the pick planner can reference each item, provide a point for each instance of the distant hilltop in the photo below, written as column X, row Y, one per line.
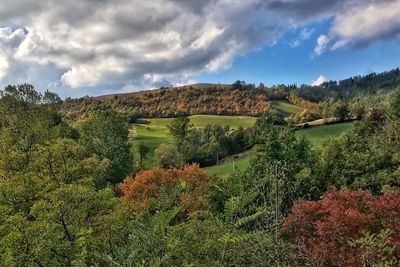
column 238, row 98
column 156, row 90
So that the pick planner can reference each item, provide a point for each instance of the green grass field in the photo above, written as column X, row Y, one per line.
column 285, row 108
column 316, row 135
column 226, row 168
column 319, row 134
column 154, row 132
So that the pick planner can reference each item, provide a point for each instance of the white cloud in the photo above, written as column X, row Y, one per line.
column 209, row 34
column 365, row 24
column 370, row 22
column 320, row 80
column 3, row 65
column 322, row 43
column 304, row 35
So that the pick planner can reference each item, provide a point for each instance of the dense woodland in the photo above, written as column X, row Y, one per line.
column 69, row 195
column 196, row 99
column 333, row 98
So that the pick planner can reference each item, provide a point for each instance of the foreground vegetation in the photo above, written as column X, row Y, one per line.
column 70, row 196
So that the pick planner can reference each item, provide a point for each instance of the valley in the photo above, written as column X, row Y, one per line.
column 153, row 132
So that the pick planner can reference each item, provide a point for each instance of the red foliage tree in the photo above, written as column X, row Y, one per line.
column 140, row 189
column 322, row 229
column 387, row 211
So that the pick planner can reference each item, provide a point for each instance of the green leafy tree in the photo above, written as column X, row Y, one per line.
column 27, row 118
column 167, row 156
column 180, row 129
column 265, row 124
column 283, row 170
column 143, row 153
column 50, row 211
column 105, row 133
column 366, row 158
column 341, row 111
column 395, row 104
column 148, row 242
column 376, row 249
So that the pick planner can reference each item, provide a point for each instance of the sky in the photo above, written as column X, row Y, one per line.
column 95, row 47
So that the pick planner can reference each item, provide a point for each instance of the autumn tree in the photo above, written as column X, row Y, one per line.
column 326, row 231
column 139, row 190
column 162, row 238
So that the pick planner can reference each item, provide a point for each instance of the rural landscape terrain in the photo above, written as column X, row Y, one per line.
column 279, row 175
column 199, row 133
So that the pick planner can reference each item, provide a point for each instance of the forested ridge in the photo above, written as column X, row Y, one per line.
column 241, row 98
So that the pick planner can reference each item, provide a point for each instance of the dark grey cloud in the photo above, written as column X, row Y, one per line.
column 311, row 9
column 102, row 42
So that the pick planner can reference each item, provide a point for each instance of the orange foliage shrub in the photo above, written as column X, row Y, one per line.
column 148, row 184
column 322, row 229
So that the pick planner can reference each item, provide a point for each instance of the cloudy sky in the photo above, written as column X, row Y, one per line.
column 93, row 47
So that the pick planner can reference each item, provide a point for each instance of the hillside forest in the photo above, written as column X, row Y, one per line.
column 351, row 97
column 78, row 189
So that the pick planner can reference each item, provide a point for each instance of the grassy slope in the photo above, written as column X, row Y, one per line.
column 319, row 134
column 316, row 135
column 285, row 108
column 225, row 169
column 154, row 132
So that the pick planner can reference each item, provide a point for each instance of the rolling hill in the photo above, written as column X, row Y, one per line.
column 208, row 99
column 236, row 99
